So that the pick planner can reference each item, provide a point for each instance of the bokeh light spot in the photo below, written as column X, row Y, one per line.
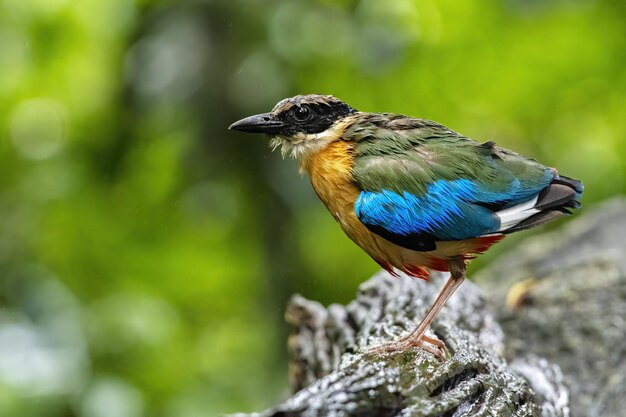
column 37, row 128
column 112, row 397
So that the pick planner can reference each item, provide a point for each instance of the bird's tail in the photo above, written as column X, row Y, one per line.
column 552, row 202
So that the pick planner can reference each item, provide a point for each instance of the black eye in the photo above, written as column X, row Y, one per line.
column 302, row 113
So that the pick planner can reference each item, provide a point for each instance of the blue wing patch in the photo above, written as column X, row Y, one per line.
column 449, row 210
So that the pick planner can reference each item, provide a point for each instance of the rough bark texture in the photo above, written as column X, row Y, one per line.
column 336, row 376
column 330, row 359
column 566, row 310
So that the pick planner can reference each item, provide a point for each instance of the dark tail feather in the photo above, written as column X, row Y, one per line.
column 555, row 195
column 570, row 182
column 553, row 201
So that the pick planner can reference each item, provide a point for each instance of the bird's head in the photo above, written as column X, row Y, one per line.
column 300, row 124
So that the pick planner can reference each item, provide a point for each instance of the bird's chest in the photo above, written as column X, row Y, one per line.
column 330, row 171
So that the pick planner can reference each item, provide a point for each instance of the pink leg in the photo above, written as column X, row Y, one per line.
column 417, row 338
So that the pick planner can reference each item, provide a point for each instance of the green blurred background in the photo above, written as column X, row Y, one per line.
column 146, row 253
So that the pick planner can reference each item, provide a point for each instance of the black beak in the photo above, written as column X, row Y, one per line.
column 259, row 123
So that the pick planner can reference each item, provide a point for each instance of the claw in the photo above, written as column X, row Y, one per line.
column 428, row 344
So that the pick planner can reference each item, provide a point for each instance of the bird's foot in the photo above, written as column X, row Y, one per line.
column 428, row 344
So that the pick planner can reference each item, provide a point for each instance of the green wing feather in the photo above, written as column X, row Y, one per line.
column 400, row 153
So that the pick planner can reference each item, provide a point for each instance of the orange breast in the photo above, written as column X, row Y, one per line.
column 330, row 171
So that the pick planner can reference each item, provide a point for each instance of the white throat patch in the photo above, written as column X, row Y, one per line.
column 302, row 145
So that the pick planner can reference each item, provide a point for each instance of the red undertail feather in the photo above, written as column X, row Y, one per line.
column 417, row 271
column 438, row 265
column 483, row 243
column 387, row 267
column 473, row 248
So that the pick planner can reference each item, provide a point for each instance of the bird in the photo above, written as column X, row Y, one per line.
column 413, row 194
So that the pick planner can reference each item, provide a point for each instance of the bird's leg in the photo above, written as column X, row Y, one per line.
column 457, row 276
column 417, row 338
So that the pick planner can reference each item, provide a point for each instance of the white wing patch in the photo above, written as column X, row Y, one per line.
column 513, row 215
